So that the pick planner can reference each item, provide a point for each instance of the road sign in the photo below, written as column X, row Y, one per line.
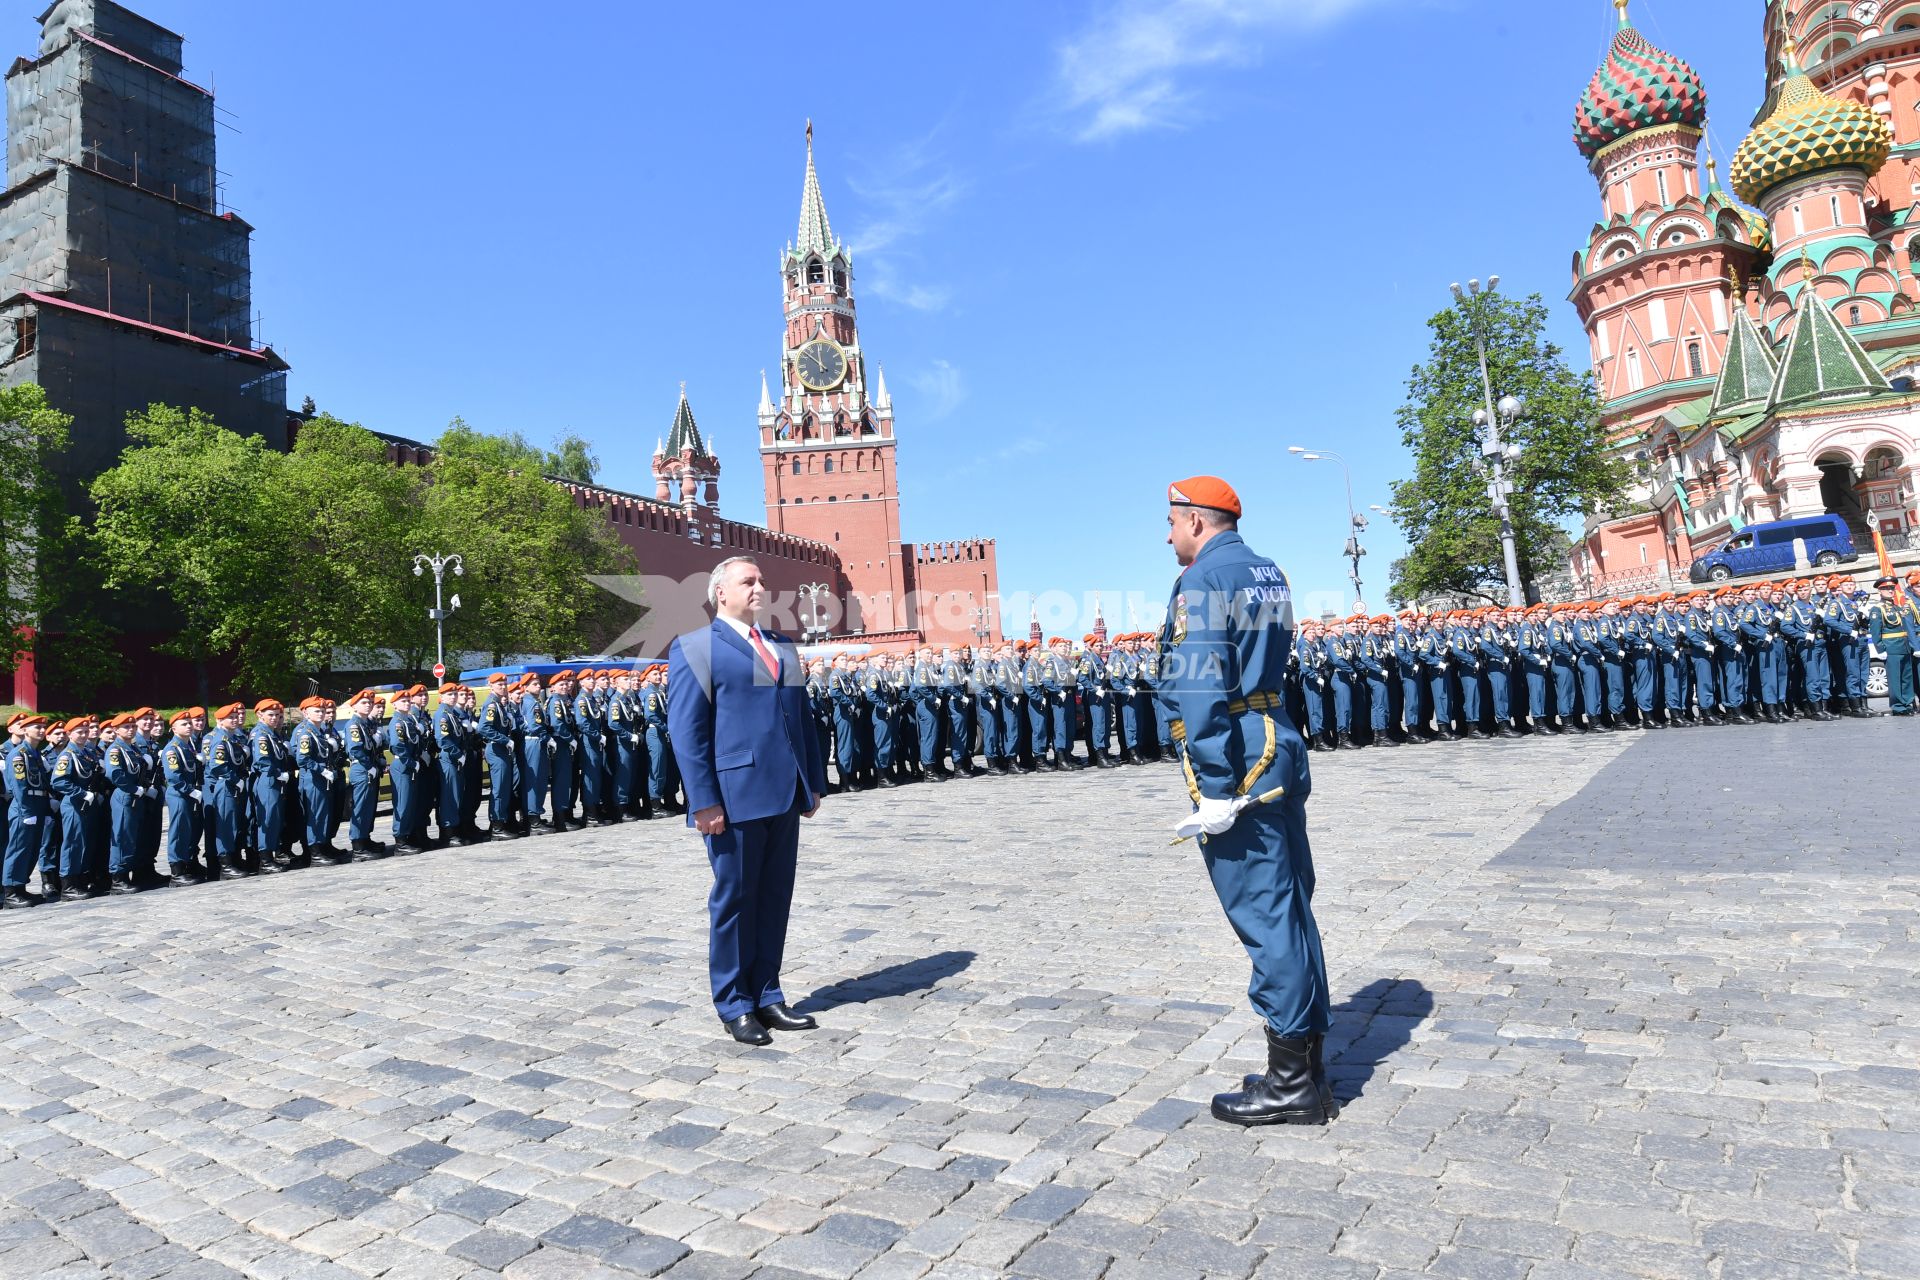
column 439, row 671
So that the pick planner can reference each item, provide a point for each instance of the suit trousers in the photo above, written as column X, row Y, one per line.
column 753, row 868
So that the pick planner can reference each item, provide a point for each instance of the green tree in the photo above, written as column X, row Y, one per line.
column 1565, row 470
column 354, row 523
column 527, row 549
column 189, row 514
column 572, row 458
column 31, row 523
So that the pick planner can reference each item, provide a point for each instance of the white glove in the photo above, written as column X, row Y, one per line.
column 1211, row 818
column 285, row 776
column 195, row 793
column 327, row 774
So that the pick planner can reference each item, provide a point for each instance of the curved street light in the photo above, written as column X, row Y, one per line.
column 439, row 564
column 1355, row 521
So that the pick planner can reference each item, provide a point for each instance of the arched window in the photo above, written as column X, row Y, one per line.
column 1853, row 314
column 829, row 463
column 1913, row 252
column 1634, row 381
column 1695, row 365
column 839, row 278
column 816, row 272
column 796, row 466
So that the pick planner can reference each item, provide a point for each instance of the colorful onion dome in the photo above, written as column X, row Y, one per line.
column 1637, row 87
column 1808, row 132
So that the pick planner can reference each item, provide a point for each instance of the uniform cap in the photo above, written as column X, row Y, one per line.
column 186, row 713
column 1885, row 582
column 14, row 720
column 417, row 691
column 1204, row 491
column 197, row 711
column 143, row 712
column 498, row 677
column 565, row 673
column 267, row 704
column 77, row 723
column 450, row 688
column 231, row 709
column 27, row 722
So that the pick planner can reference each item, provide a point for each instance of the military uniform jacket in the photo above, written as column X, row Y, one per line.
column 497, row 723
column 404, row 739
column 27, row 786
column 366, row 749
column 180, row 765
column 271, row 756
column 126, row 770
column 226, row 765
column 624, row 721
column 533, row 721
column 451, row 733
column 309, row 750
column 1696, row 628
column 77, row 777
column 1887, row 622
column 1228, row 631
column 656, row 708
column 1376, row 656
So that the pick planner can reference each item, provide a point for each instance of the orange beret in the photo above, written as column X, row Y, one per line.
column 27, row 722
column 449, row 688
column 185, row 713
column 77, row 723
column 231, row 709
column 416, row 691
column 197, row 711
column 266, row 705
column 498, row 677
column 1204, row 491
column 16, row 718
column 565, row 673
column 144, row 712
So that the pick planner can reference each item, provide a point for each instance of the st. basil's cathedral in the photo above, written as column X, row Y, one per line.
column 1756, row 365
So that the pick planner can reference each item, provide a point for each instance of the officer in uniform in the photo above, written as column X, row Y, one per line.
column 536, row 742
column 1759, row 631
column 628, row 727
column 1090, row 682
column 405, row 741
column 1375, row 658
column 312, row 772
column 1224, row 645
column 1846, row 631
column 1015, row 733
column 591, row 747
column 30, row 807
column 1057, row 681
column 1697, row 647
column 449, row 733
column 225, row 782
column 1496, row 657
column 366, row 761
column 84, row 801
column 663, row 781
column 127, row 776
column 1890, row 623
column 1406, row 661
column 497, row 721
column 271, row 767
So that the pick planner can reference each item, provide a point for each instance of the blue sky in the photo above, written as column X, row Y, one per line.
column 1097, row 246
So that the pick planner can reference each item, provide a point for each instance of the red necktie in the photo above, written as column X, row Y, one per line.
column 766, row 654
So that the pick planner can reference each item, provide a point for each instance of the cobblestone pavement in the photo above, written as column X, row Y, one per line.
column 1601, row 1018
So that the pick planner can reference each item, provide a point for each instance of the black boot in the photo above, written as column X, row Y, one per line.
column 17, row 896
column 1286, row 1094
column 50, row 886
column 1100, row 760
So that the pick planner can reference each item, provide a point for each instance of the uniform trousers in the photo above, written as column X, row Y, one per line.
column 363, row 791
column 1262, row 871
column 1379, row 702
column 663, row 771
column 1499, row 694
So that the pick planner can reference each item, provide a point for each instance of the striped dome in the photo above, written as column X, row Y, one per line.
column 1808, row 132
column 1637, row 87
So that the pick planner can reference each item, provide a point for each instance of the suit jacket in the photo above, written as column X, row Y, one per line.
column 742, row 741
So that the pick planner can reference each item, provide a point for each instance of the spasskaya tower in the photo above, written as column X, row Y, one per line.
column 827, row 450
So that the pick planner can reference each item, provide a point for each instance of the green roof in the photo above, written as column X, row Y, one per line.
column 1741, row 426
column 1746, row 379
column 685, row 433
column 1822, row 361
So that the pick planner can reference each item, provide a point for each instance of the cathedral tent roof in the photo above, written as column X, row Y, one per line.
column 1822, row 361
column 1746, row 379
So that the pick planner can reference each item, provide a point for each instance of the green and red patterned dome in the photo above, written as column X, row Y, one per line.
column 1637, row 87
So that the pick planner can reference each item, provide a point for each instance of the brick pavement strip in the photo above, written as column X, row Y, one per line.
column 1601, row 1012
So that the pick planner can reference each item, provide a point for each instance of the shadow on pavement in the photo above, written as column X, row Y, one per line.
column 1369, row 1027
column 894, row 980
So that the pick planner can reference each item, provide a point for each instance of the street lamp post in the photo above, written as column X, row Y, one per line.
column 438, row 613
column 815, row 630
column 1356, row 523
column 1497, row 455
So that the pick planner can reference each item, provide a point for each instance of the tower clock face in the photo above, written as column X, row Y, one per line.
column 822, row 365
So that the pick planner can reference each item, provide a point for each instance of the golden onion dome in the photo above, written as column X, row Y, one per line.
column 1808, row 132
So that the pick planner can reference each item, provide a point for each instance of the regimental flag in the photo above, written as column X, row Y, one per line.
column 1886, row 568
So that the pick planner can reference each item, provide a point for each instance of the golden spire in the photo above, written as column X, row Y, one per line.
column 1621, row 5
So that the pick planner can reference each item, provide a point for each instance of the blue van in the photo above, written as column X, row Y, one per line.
column 1768, row 548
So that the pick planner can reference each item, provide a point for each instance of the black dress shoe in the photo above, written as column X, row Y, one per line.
column 504, row 832
column 17, row 896
column 747, row 1030
column 782, row 1018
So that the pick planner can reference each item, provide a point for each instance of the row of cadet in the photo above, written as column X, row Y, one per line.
column 1022, row 706
column 1762, row 651
column 85, row 798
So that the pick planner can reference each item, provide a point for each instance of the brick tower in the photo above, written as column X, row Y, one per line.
column 826, row 444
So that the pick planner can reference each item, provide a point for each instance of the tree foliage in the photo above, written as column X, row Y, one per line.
column 31, row 523
column 285, row 560
column 571, row 458
column 1564, row 472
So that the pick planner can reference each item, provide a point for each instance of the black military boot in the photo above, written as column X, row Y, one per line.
column 1286, row 1094
column 17, row 896
column 78, row 889
column 50, row 886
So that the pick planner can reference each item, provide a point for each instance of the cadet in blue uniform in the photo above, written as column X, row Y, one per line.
column 1809, row 617
column 1730, row 657
column 50, row 831
column 1846, row 631
column 365, row 749
column 627, row 726
column 1056, row 680
column 1406, row 660
column 663, row 782
column 1090, row 681
column 126, row 776
column 497, row 721
column 590, row 746
column 449, row 733
column 1225, row 642
column 225, row 783
column 536, row 751
column 1374, row 656
column 82, row 787
column 1697, row 647
column 272, row 766
column 1760, row 632
column 313, row 781
column 1341, row 673
column 181, row 773
column 1890, row 623
column 30, row 805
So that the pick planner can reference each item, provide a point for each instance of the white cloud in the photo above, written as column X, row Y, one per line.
column 905, row 193
column 1123, row 72
column 941, row 388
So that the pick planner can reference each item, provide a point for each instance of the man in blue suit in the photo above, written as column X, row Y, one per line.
column 742, row 734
